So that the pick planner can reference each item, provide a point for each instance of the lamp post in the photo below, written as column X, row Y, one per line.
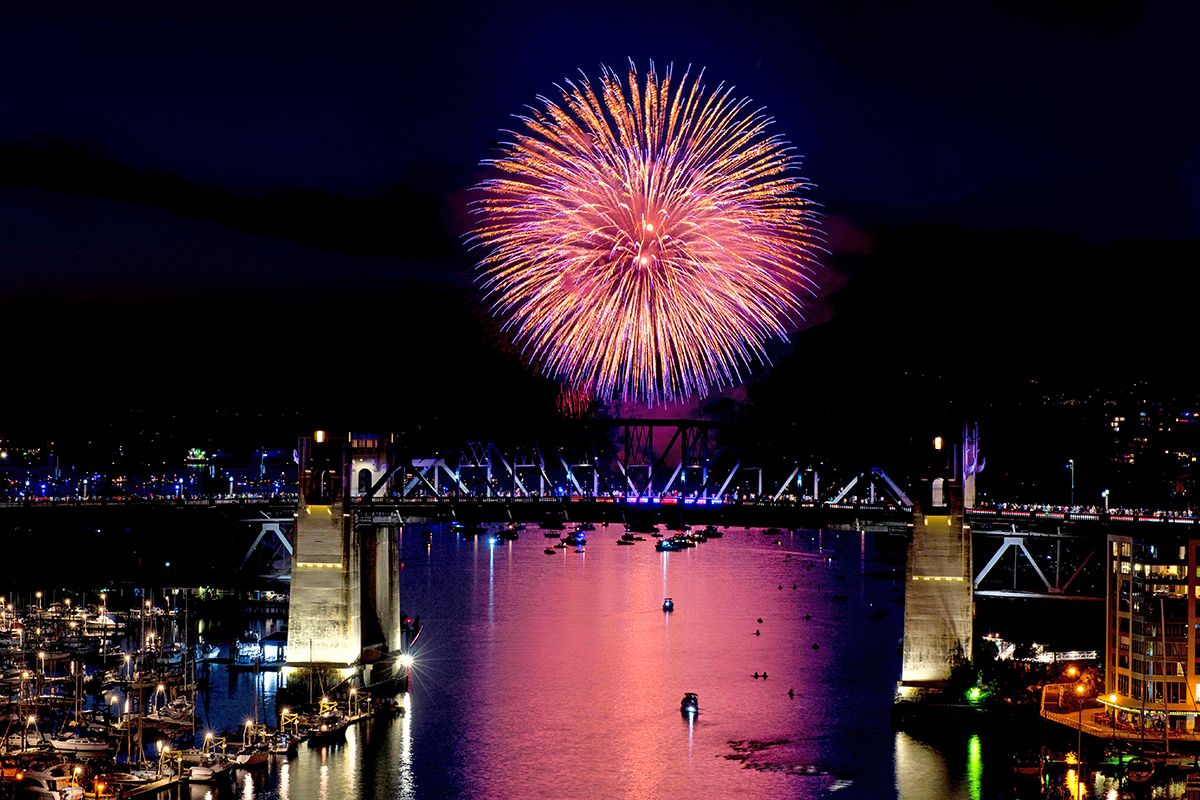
column 1104, row 494
column 1112, row 699
column 1071, row 466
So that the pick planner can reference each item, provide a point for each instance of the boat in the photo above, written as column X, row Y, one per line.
column 690, row 704
column 250, row 756
column 56, row 783
column 551, row 534
column 211, row 769
column 330, row 729
column 248, row 651
column 200, row 774
column 666, row 546
column 284, row 745
column 1139, row 770
column 549, row 551
column 713, row 532
column 178, row 712
column 576, row 537
column 74, row 743
column 207, row 652
column 171, row 655
column 508, row 534
column 668, row 604
column 626, row 542
column 1027, row 763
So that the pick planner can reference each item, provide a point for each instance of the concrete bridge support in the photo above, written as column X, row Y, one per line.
column 939, row 606
column 345, row 594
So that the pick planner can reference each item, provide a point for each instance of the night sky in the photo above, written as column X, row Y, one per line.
column 232, row 208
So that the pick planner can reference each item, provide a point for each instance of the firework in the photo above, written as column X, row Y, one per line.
column 643, row 241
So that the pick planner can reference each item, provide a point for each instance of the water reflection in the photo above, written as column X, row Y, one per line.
column 921, row 771
column 557, row 680
column 408, row 783
column 975, row 767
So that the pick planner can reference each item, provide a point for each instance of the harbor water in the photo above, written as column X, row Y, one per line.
column 560, row 676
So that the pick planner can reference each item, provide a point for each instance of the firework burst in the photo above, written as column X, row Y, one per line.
column 643, row 241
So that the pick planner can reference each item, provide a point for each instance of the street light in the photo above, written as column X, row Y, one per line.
column 1104, row 494
column 1071, row 466
column 1112, row 699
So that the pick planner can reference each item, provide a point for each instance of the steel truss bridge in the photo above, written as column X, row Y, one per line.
column 675, row 471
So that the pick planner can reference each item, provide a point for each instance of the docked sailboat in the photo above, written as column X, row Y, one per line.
column 73, row 742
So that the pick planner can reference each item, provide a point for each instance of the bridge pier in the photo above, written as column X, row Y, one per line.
column 345, row 596
column 939, row 606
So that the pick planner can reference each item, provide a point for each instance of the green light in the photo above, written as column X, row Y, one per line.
column 974, row 693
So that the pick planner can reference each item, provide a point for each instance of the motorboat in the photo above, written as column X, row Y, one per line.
column 690, row 704
column 284, row 745
column 248, row 651
column 74, row 743
column 666, row 546
column 668, row 604
column 211, row 769
column 56, row 783
column 576, row 537
column 178, row 712
column 207, row 652
column 200, row 774
column 713, row 532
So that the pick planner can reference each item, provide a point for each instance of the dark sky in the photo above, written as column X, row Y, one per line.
column 262, row 206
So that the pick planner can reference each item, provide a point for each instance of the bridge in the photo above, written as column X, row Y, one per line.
column 337, row 529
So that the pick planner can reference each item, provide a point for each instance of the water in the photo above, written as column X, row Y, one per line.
column 559, row 676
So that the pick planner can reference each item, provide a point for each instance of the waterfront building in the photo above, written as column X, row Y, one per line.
column 1152, row 660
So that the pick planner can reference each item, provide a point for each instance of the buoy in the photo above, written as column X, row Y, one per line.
column 760, row 620
column 816, row 646
column 756, row 676
column 791, row 693
column 764, row 676
column 756, row 632
column 808, row 616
